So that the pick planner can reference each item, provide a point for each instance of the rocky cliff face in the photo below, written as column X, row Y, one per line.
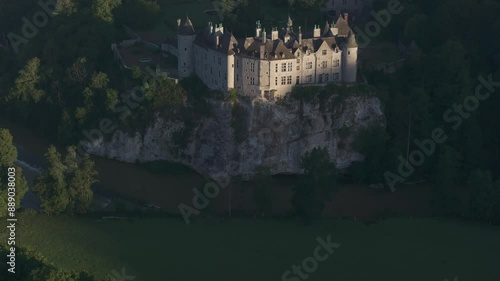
column 275, row 136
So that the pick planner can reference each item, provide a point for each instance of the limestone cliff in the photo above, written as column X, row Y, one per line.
column 276, row 135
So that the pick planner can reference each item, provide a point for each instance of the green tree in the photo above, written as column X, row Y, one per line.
column 66, row 188
column 263, row 194
column 103, row 9
column 27, row 83
column 140, row 14
column 485, row 195
column 446, row 179
column 8, row 154
column 316, row 185
column 164, row 94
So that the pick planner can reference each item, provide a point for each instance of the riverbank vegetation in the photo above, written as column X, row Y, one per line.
column 12, row 181
column 66, row 186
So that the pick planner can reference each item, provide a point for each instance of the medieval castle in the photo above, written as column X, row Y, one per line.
column 268, row 65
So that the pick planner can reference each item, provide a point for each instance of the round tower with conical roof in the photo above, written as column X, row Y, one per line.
column 350, row 59
column 185, row 46
column 289, row 24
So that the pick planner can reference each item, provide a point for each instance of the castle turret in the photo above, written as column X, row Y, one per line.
column 350, row 59
column 185, row 40
column 289, row 24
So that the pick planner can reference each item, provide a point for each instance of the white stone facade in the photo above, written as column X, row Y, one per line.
column 268, row 66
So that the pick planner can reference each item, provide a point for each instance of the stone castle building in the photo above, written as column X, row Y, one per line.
column 268, row 64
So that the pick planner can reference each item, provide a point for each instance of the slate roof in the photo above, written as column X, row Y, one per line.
column 227, row 41
column 342, row 26
column 273, row 49
column 186, row 28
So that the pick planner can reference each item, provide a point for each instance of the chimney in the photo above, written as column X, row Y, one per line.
column 262, row 51
column 258, row 29
column 219, row 28
column 216, row 41
column 346, row 17
column 317, row 31
column 178, row 23
column 300, row 35
column 274, row 34
column 264, row 36
column 334, row 30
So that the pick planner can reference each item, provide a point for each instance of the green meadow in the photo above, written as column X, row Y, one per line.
column 157, row 249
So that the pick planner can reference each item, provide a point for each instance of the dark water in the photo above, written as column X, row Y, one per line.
column 116, row 179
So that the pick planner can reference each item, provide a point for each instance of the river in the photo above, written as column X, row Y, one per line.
column 134, row 183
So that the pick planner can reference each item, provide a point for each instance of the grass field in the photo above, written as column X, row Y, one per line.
column 259, row 250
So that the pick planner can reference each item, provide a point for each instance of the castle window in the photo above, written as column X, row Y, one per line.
column 283, row 80
column 297, row 80
column 276, row 67
column 237, row 63
column 298, row 67
column 283, row 67
column 289, row 80
column 336, row 76
column 252, row 67
column 237, row 77
column 324, row 52
column 298, row 60
column 276, row 81
column 309, row 65
column 308, row 78
column 324, row 64
column 348, row 53
column 289, row 65
column 336, row 63
column 327, row 77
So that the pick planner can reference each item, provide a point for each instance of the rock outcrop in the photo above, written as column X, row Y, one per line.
column 276, row 136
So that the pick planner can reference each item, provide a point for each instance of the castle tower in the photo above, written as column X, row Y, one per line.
column 185, row 40
column 350, row 59
column 289, row 25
